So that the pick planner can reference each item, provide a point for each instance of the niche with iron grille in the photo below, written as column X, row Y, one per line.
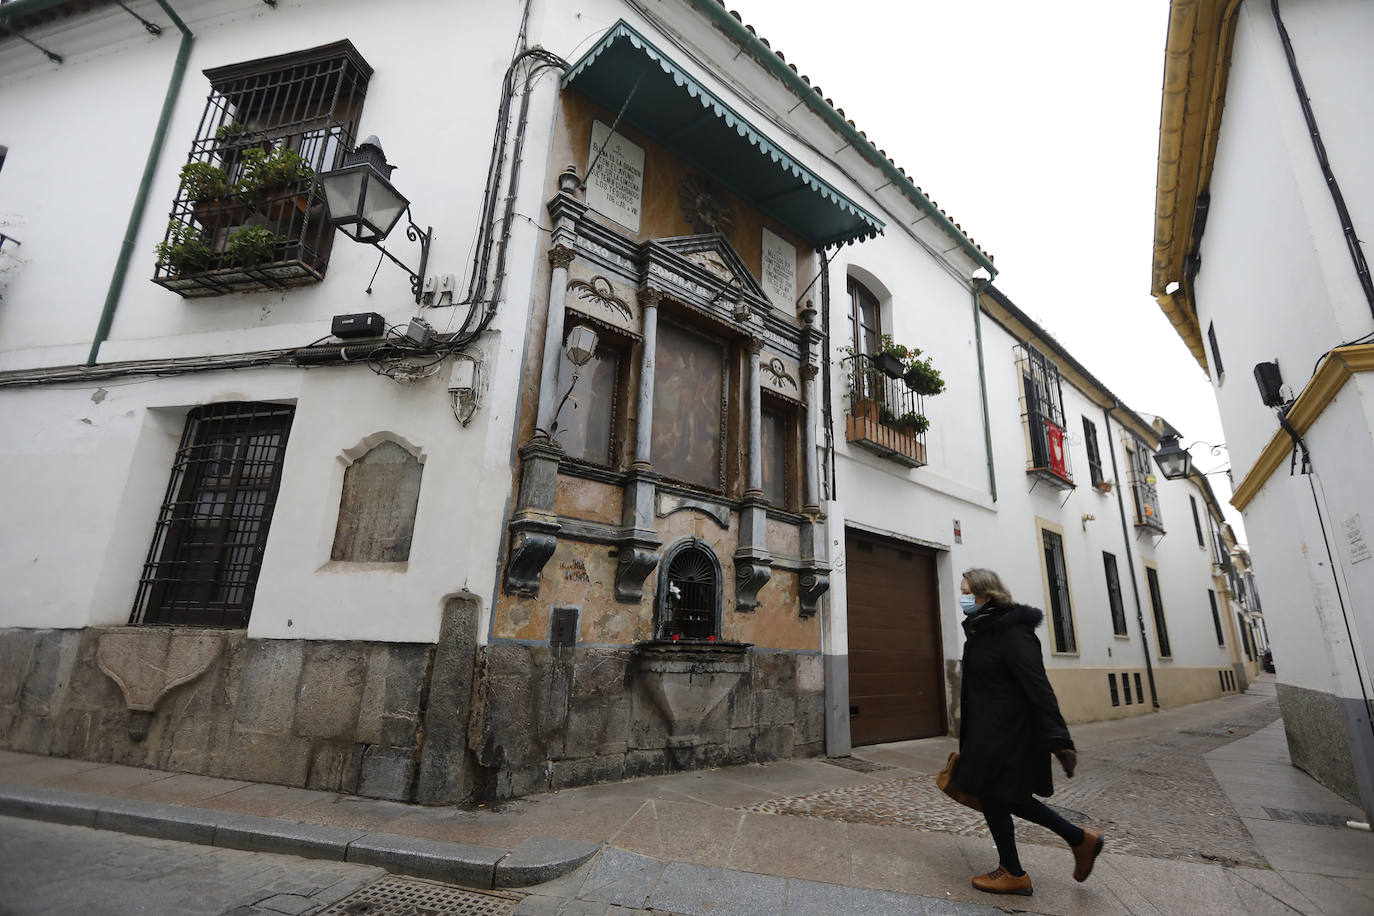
column 202, row 566
column 689, row 592
column 253, row 217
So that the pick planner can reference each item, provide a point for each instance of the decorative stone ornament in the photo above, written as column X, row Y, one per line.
column 705, row 206
column 147, row 663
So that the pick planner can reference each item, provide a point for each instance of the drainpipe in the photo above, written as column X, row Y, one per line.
column 126, row 250
column 1130, row 561
column 983, row 384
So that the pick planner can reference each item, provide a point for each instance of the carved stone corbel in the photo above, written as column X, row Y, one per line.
column 637, row 559
column 811, row 584
column 534, row 529
column 532, row 543
column 813, row 579
column 751, row 575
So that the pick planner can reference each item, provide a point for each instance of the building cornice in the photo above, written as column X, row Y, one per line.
column 1335, row 370
column 1197, row 62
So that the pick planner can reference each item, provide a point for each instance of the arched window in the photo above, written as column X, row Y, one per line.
column 689, row 592
column 865, row 317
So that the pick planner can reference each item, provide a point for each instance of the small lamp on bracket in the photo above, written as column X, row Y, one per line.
column 365, row 206
column 1173, row 459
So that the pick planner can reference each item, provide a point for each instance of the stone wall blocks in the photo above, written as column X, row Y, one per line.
column 810, row 673
column 16, row 652
column 387, row 772
column 334, row 767
column 598, row 728
column 49, row 675
column 774, row 707
column 810, row 720
column 774, row 742
column 600, row 672
column 331, row 690
column 648, row 762
column 774, row 670
column 267, row 695
column 267, row 757
column 586, row 770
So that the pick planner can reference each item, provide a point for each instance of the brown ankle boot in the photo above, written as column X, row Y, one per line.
column 1085, row 854
column 1001, row 881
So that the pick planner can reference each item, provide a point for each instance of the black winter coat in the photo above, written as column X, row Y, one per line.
column 1011, row 719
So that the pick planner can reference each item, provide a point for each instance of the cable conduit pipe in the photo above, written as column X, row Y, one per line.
column 1130, row 560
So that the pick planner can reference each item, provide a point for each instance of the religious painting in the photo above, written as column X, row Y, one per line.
column 689, row 397
column 586, row 422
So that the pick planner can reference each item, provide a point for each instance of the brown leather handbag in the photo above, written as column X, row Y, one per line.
column 944, row 778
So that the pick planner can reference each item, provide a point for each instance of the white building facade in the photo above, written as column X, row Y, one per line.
column 1261, row 204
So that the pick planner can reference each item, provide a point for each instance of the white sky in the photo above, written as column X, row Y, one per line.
column 1035, row 126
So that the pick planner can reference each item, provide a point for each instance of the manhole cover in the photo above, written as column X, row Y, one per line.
column 393, row 895
column 857, row 764
column 1306, row 817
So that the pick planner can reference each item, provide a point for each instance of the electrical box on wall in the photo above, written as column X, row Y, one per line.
column 362, row 324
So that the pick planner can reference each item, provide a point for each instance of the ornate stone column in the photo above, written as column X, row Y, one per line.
column 753, row 563
column 815, row 573
column 560, row 256
column 639, row 543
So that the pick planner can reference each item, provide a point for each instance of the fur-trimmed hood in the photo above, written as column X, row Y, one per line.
column 993, row 619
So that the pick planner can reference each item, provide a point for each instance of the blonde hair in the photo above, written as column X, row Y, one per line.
column 987, row 583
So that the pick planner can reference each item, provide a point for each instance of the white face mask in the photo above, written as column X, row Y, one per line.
column 968, row 604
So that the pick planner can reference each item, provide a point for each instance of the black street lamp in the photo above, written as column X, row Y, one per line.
column 1173, row 459
column 365, row 206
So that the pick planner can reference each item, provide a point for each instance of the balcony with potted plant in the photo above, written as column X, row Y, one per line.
column 264, row 230
column 887, row 391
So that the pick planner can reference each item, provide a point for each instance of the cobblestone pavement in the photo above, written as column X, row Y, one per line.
column 55, row 870
column 1150, row 797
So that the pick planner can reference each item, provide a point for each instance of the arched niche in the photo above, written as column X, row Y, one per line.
column 381, row 492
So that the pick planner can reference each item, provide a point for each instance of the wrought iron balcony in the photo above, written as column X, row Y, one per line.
column 885, row 416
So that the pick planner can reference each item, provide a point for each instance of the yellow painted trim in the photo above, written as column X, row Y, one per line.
column 1336, row 369
column 1197, row 63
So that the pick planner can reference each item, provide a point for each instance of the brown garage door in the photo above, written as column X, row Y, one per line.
column 895, row 660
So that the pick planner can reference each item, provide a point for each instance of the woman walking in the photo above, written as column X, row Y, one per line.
column 1011, row 724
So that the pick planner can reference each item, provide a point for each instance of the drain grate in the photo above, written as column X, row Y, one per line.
column 1315, row 818
column 857, row 764
column 393, row 895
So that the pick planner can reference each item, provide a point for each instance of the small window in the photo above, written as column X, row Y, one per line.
column 1221, row 676
column 249, row 214
column 588, row 419
column 1042, row 414
column 865, row 317
column 1197, row 521
column 1111, row 687
column 202, row 567
column 1094, row 456
column 1139, row 693
column 1216, row 353
column 1061, row 612
column 1114, row 594
column 1216, row 617
column 1245, row 637
column 689, row 593
column 1126, row 686
column 1157, row 604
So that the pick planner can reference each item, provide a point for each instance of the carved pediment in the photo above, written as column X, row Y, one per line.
column 712, row 254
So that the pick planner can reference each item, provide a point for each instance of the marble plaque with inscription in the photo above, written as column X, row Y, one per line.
column 615, row 187
column 780, row 272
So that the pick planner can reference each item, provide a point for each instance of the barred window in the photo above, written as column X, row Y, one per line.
column 1157, row 605
column 249, row 214
column 1114, row 594
column 1042, row 413
column 202, row 566
column 689, row 593
column 1143, row 489
column 1057, row 576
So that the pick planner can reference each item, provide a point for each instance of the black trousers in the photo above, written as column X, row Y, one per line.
column 998, row 815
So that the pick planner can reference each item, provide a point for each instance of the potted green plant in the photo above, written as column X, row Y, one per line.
column 185, row 250
column 890, row 357
column 266, row 180
column 920, row 376
column 251, row 244
column 230, row 131
column 202, row 181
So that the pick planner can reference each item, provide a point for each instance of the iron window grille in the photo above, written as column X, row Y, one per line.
column 264, row 228
column 1111, row 686
column 1139, row 692
column 1042, row 416
column 1094, row 456
column 1143, row 490
column 1157, row 605
column 202, row 566
column 1114, row 594
column 1126, row 686
column 689, row 594
column 1061, row 609
column 885, row 416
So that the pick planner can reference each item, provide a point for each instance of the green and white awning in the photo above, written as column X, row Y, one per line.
column 670, row 106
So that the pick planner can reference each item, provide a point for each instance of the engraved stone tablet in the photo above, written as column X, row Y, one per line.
column 615, row 187
column 780, row 272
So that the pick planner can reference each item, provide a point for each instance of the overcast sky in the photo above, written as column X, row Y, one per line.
column 1035, row 126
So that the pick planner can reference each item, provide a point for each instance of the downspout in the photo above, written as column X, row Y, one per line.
column 827, row 409
column 1130, row 561
column 126, row 250
column 983, row 384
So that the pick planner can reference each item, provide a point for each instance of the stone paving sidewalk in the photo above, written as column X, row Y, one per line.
column 1153, row 796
